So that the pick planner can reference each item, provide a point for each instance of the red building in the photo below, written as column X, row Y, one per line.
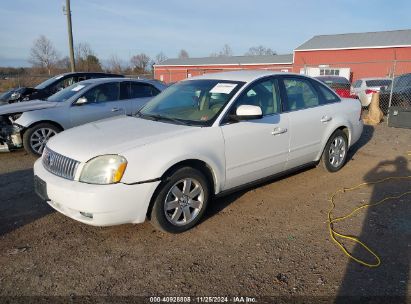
column 172, row 70
column 354, row 56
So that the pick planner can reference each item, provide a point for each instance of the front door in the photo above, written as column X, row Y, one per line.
column 257, row 148
column 102, row 102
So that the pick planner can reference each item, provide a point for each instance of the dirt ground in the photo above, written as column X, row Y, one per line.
column 271, row 240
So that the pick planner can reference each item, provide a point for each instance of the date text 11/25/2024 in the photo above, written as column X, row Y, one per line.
column 205, row 299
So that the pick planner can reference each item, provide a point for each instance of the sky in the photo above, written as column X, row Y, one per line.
column 127, row 27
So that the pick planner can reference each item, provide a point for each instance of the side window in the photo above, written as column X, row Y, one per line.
column 81, row 78
column 328, row 95
column 124, row 90
column 62, row 84
column 103, row 92
column 264, row 94
column 357, row 84
column 140, row 90
column 300, row 94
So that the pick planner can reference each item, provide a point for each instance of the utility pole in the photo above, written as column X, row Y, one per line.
column 70, row 35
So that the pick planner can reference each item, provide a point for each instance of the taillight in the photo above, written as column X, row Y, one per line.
column 343, row 92
column 368, row 91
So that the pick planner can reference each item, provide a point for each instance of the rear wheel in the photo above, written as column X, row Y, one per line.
column 335, row 152
column 36, row 137
column 181, row 201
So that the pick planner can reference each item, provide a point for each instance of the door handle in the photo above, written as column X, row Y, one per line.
column 326, row 118
column 115, row 109
column 278, row 131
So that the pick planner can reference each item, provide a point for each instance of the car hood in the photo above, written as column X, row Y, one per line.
column 25, row 106
column 112, row 136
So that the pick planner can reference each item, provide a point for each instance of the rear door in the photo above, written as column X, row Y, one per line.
column 308, row 118
column 103, row 101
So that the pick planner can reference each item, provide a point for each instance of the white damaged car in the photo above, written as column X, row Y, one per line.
column 202, row 137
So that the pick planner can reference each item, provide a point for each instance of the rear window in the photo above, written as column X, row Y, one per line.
column 332, row 80
column 378, row 83
column 357, row 84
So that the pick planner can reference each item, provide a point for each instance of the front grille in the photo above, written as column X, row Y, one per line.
column 59, row 165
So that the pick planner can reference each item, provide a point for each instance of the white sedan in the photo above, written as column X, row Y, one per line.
column 202, row 137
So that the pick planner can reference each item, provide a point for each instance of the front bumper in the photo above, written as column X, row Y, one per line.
column 97, row 205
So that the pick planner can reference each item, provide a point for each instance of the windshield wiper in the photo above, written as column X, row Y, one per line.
column 164, row 118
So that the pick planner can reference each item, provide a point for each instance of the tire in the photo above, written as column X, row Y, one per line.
column 185, row 207
column 36, row 137
column 335, row 152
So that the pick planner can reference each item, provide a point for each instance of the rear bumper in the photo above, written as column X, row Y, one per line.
column 97, row 205
column 356, row 132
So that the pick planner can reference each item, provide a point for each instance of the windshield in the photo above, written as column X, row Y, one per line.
column 68, row 92
column 48, row 82
column 192, row 102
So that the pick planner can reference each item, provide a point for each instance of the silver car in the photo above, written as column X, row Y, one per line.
column 365, row 87
column 31, row 124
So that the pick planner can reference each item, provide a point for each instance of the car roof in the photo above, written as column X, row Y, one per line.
column 109, row 79
column 374, row 78
column 243, row 75
column 88, row 73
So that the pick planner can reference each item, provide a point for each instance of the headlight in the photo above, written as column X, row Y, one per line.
column 103, row 170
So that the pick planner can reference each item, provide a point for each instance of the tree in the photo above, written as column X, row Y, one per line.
column 183, row 54
column 225, row 52
column 43, row 54
column 260, row 51
column 114, row 65
column 86, row 59
column 160, row 57
column 64, row 63
column 140, row 62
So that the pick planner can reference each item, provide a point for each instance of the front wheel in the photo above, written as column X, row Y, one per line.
column 335, row 152
column 181, row 201
column 36, row 137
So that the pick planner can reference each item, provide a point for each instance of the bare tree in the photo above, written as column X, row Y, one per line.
column 140, row 62
column 160, row 57
column 86, row 59
column 226, row 51
column 43, row 54
column 114, row 64
column 64, row 63
column 260, row 51
column 183, row 54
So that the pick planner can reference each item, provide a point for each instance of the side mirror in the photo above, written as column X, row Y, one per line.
column 247, row 112
column 81, row 101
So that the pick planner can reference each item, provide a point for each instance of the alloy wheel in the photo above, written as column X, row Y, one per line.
column 337, row 151
column 39, row 138
column 184, row 201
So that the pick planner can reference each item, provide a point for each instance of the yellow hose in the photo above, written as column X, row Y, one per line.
column 331, row 220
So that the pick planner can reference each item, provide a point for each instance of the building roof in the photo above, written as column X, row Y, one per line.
column 243, row 75
column 232, row 60
column 398, row 38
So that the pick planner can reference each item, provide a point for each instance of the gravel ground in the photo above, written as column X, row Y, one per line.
column 270, row 240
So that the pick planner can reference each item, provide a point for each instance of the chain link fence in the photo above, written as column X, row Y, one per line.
column 392, row 79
